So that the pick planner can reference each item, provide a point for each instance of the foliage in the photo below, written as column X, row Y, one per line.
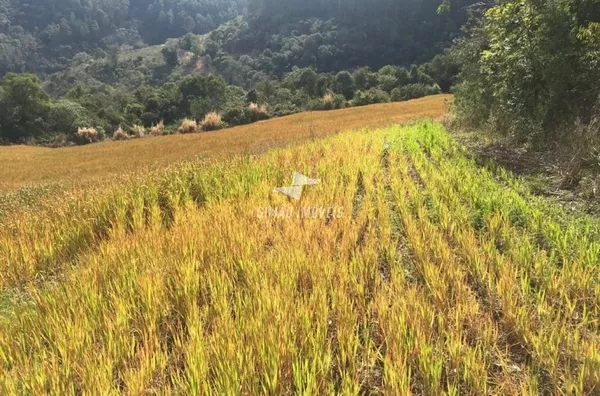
column 40, row 36
column 529, row 68
column 100, row 71
column 66, row 116
column 24, row 107
column 331, row 36
column 412, row 91
column 201, row 94
column 372, row 96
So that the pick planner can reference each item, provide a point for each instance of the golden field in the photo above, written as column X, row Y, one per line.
column 25, row 165
column 408, row 270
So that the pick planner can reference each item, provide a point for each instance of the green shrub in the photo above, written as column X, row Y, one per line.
column 329, row 101
column 372, row 96
column 67, row 117
column 413, row 91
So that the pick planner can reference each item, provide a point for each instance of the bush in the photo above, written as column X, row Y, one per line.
column 188, row 126
column 58, row 140
column 337, row 102
column 329, row 101
column 120, row 134
column 157, row 129
column 66, row 117
column 315, row 105
column 258, row 112
column 212, row 122
column 372, row 96
column 283, row 109
column 237, row 116
column 139, row 131
column 413, row 91
column 86, row 135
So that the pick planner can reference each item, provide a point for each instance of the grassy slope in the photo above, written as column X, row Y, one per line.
column 23, row 165
column 439, row 277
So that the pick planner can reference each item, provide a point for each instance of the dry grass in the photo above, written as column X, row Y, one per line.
column 259, row 110
column 157, row 129
column 188, row 126
column 24, row 165
column 120, row 134
column 433, row 276
column 139, row 131
column 87, row 135
column 212, row 122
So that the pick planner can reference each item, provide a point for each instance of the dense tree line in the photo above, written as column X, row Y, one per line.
column 284, row 56
column 41, row 35
column 531, row 69
column 29, row 115
column 332, row 35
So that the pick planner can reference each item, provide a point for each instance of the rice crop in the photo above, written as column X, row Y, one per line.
column 408, row 270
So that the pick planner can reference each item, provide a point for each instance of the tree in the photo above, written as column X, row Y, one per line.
column 65, row 116
column 23, row 108
column 170, row 55
column 201, row 94
column 189, row 24
column 344, row 84
column 526, row 68
column 364, row 79
column 251, row 96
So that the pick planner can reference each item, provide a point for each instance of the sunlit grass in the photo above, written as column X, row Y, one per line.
column 438, row 277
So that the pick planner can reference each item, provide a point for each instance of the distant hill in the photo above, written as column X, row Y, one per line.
column 131, row 64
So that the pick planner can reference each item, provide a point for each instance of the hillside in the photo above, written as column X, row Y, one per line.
column 407, row 270
column 128, row 65
column 43, row 36
column 300, row 197
column 69, row 166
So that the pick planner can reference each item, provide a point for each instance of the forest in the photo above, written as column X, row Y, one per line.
column 125, row 65
column 523, row 68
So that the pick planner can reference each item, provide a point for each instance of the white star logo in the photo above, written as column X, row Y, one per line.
column 298, row 182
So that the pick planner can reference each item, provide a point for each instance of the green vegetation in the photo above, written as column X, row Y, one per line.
column 107, row 65
column 28, row 117
column 43, row 35
column 532, row 69
column 435, row 276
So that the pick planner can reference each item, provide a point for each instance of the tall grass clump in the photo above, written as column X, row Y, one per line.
column 212, row 122
column 188, row 126
column 157, row 130
column 86, row 135
column 260, row 111
column 139, row 131
column 120, row 134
